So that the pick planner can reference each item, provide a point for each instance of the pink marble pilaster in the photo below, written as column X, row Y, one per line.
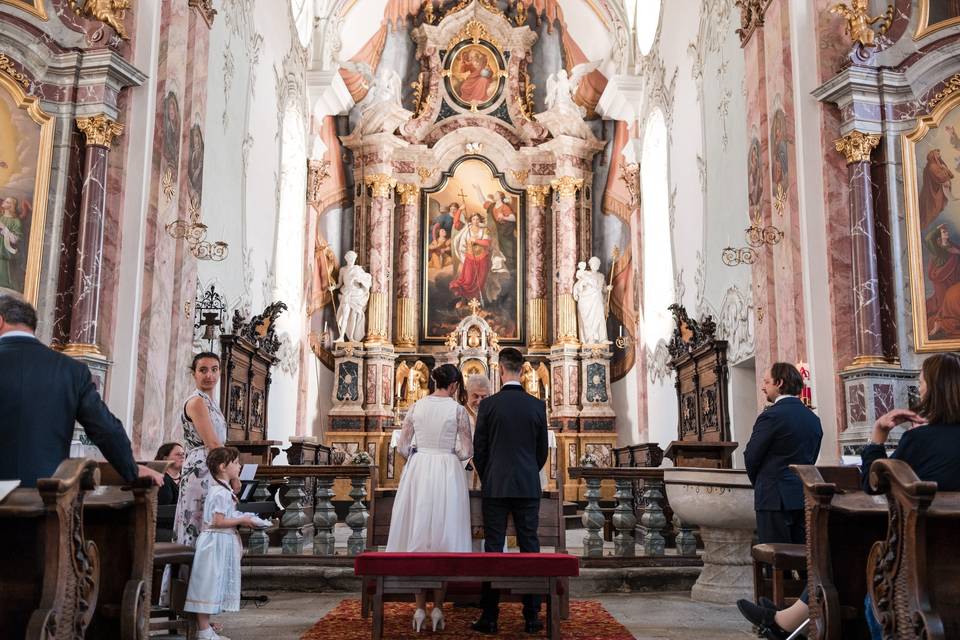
column 866, row 282
column 536, row 276
column 380, row 256
column 407, row 253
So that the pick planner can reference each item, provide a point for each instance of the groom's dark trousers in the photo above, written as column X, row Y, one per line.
column 509, row 449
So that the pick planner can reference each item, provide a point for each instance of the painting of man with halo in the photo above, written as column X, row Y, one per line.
column 472, row 252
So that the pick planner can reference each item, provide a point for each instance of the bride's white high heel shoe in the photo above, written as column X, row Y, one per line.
column 418, row 617
column 436, row 616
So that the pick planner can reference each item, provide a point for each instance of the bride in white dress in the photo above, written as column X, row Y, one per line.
column 431, row 512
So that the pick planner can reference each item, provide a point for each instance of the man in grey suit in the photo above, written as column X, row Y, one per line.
column 42, row 394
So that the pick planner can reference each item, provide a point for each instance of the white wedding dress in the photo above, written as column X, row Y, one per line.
column 431, row 512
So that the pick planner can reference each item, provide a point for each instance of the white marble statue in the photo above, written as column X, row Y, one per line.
column 354, row 284
column 562, row 87
column 381, row 111
column 589, row 291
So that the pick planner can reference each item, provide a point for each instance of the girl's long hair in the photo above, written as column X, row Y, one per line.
column 216, row 459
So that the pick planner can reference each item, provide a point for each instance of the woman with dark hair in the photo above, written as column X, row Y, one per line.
column 431, row 512
column 204, row 429
column 170, row 491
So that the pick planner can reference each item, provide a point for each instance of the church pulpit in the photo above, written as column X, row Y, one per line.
column 48, row 599
column 121, row 520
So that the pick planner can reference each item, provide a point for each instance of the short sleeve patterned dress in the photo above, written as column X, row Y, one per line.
column 195, row 478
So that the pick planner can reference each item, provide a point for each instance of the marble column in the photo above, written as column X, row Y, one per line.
column 405, row 330
column 537, row 310
column 99, row 131
column 380, row 355
column 565, row 370
column 857, row 147
column 379, row 256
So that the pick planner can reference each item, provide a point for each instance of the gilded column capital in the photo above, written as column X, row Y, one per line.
column 751, row 17
column 206, row 10
column 567, row 186
column 857, row 146
column 537, row 194
column 381, row 184
column 409, row 193
column 99, row 130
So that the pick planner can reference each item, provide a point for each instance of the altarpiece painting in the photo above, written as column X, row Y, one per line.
column 472, row 250
column 26, row 144
column 931, row 163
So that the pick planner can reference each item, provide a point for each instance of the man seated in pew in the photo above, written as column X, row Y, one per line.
column 785, row 433
column 931, row 446
column 173, row 452
column 43, row 393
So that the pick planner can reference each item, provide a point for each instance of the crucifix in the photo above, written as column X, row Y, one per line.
column 474, row 305
column 463, row 198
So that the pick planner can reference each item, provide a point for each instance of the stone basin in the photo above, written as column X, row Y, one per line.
column 720, row 503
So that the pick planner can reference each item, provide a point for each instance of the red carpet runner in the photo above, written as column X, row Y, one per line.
column 588, row 621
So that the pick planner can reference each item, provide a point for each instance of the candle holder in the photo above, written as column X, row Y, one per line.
column 623, row 341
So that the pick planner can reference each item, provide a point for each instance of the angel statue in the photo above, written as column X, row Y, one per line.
column 532, row 379
column 354, row 284
column 411, row 383
column 382, row 111
column 562, row 87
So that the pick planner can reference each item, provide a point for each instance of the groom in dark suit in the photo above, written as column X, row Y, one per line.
column 509, row 449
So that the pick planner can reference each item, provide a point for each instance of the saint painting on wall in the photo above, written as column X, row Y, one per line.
column 471, row 251
column 936, row 15
column 931, row 161
column 474, row 74
column 26, row 144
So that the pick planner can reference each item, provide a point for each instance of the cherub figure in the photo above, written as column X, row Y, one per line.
column 859, row 21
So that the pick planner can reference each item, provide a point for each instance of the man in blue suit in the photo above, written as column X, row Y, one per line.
column 786, row 433
column 42, row 394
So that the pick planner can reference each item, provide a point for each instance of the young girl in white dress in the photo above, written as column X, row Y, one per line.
column 431, row 512
column 215, row 578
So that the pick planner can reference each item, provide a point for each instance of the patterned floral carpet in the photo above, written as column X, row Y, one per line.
column 588, row 621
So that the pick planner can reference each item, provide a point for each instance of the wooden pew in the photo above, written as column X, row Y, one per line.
column 121, row 520
column 50, row 572
column 551, row 532
column 914, row 572
column 843, row 522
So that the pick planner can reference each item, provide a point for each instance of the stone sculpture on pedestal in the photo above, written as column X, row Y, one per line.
column 589, row 292
column 354, row 284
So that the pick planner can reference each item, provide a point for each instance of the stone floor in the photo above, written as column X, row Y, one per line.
column 659, row 616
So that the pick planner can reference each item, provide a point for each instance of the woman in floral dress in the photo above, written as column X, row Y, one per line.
column 204, row 429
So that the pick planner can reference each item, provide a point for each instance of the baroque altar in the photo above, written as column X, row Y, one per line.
column 471, row 214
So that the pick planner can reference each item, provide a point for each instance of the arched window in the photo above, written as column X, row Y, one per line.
column 657, row 244
column 645, row 17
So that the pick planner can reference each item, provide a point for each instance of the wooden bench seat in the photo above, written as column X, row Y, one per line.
column 517, row 573
column 783, row 559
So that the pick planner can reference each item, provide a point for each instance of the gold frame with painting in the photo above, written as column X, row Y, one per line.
column 493, row 64
column 40, row 140
column 928, row 228
column 924, row 28
column 36, row 7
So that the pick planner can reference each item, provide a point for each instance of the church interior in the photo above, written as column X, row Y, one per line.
column 653, row 201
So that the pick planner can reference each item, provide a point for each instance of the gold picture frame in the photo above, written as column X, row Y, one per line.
column 35, row 7
column 924, row 28
column 41, row 183
column 923, row 211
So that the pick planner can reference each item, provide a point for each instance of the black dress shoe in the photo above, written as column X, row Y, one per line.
column 533, row 626
column 484, row 626
column 767, row 603
column 763, row 618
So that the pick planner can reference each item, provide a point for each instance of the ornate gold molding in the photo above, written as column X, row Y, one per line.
column 99, row 130
column 425, row 173
column 567, row 320
column 406, row 326
column 520, row 175
column 537, row 323
column 7, row 67
column 82, row 350
column 630, row 174
column 537, row 194
column 567, row 186
column 317, row 173
column 109, row 12
column 857, row 146
column 205, row 7
column 475, row 31
column 859, row 21
column 751, row 17
column 409, row 193
column 381, row 184
column 378, row 325
column 952, row 86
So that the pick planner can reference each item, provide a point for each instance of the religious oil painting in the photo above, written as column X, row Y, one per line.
column 26, row 144
column 472, row 251
column 931, row 164
column 474, row 74
column 936, row 15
